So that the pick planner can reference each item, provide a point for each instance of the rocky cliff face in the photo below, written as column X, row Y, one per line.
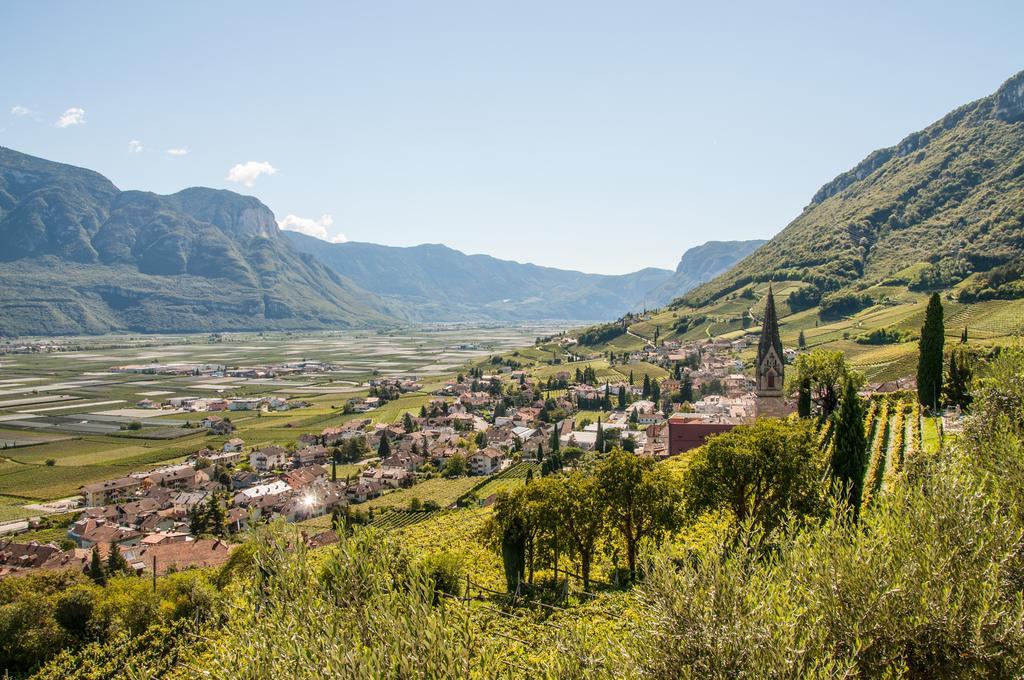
column 92, row 258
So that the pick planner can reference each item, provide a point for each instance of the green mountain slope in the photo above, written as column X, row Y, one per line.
column 435, row 282
column 81, row 256
column 950, row 197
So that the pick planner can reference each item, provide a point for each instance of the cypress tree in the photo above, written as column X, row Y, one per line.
column 116, row 563
column 631, row 377
column 554, row 438
column 803, row 401
column 647, row 387
column 599, row 439
column 96, row 571
column 850, row 455
column 622, row 397
column 540, row 451
column 963, row 336
column 801, row 341
column 384, row 448
column 958, row 383
column 929, row 363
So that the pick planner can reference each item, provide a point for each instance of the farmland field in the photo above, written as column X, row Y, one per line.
column 69, row 406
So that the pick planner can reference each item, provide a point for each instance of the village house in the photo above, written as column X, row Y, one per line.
column 89, row 532
column 184, row 477
column 102, row 493
column 486, row 461
column 269, row 458
column 310, row 455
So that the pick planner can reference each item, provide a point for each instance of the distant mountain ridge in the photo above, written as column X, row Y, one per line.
column 436, row 282
column 81, row 256
column 701, row 264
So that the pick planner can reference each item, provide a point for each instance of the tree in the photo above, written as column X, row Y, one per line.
column 963, row 336
column 539, row 454
column 384, row 448
column 646, row 391
column 96, row 571
column 687, row 389
column 554, row 443
column 622, row 397
column 761, row 472
column 803, row 400
column 116, row 563
column 216, row 516
column 582, row 517
column 958, row 382
column 456, row 466
column 827, row 372
column 850, row 456
column 642, row 500
column 930, row 359
column 801, row 341
column 407, row 422
column 599, row 439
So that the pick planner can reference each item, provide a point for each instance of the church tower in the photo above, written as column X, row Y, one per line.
column 771, row 367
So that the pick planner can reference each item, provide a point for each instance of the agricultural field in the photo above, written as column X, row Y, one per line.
column 64, row 412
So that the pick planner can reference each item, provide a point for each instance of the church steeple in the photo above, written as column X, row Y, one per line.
column 770, row 371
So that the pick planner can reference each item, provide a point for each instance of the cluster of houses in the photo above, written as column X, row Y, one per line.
column 487, row 421
column 218, row 404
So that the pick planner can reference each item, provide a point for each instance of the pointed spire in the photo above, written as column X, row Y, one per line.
column 769, row 329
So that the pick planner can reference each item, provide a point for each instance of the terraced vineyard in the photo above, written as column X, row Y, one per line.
column 397, row 519
column 893, row 427
column 509, row 479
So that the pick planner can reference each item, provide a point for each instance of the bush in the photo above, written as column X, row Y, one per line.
column 843, row 304
column 883, row 336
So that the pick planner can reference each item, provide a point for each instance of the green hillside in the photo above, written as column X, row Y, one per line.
column 940, row 211
column 947, row 197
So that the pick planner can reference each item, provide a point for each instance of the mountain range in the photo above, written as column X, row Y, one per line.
column 942, row 207
column 81, row 256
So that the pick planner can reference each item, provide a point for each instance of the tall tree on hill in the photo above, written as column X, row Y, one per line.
column 622, row 397
column 655, row 392
column 801, row 341
column 647, row 387
column 803, row 399
column 850, row 455
column 958, row 382
column 643, row 500
column 116, row 563
column 599, row 439
column 554, row 437
column 384, row 447
column 216, row 516
column 96, row 571
column 963, row 336
column 687, row 388
column 631, row 377
column 930, row 359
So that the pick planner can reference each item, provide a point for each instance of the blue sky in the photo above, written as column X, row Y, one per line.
column 602, row 136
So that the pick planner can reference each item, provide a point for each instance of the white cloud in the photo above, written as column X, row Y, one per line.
column 134, row 146
column 246, row 173
column 180, row 151
column 20, row 110
column 73, row 116
column 312, row 227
